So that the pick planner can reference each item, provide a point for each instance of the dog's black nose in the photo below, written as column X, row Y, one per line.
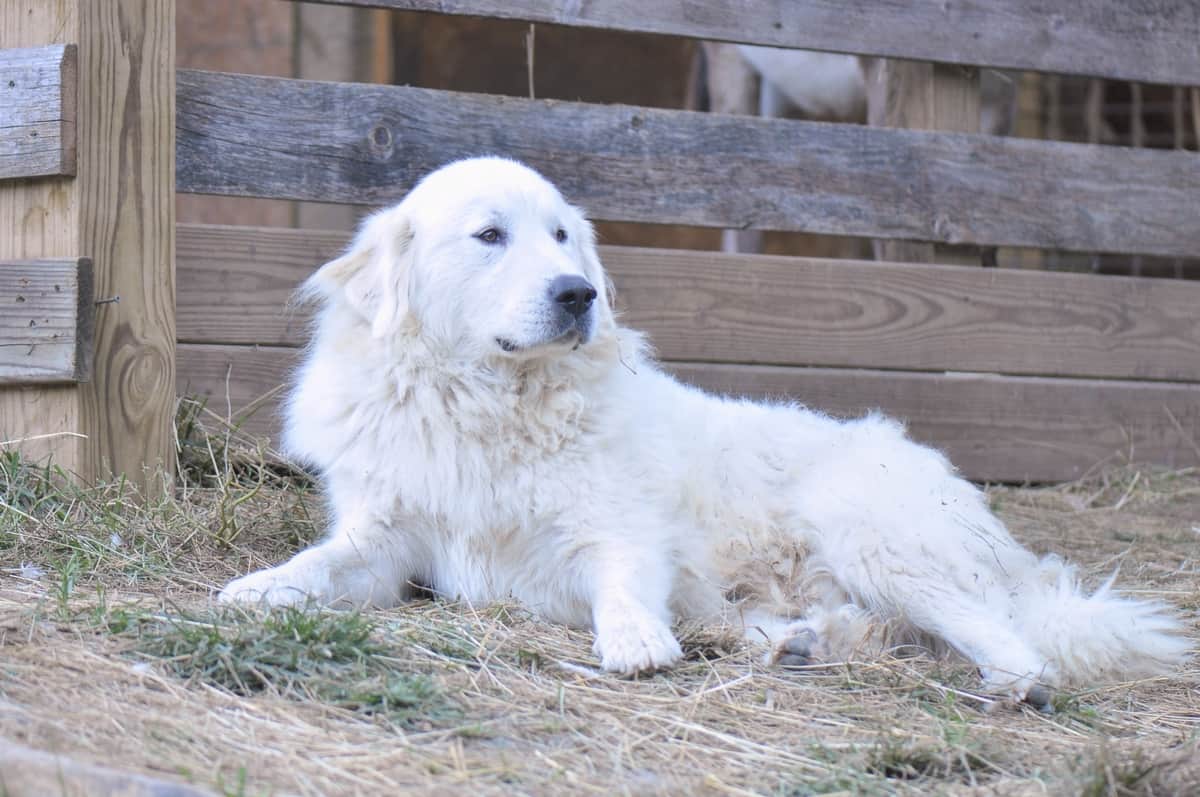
column 573, row 294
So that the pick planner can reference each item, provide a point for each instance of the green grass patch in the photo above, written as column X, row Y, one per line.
column 324, row 656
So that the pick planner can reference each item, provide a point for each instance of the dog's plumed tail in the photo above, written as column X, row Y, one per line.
column 1103, row 636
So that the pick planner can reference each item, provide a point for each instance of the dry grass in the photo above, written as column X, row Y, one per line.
column 111, row 651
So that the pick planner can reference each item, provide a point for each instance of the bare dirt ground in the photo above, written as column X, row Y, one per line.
column 111, row 652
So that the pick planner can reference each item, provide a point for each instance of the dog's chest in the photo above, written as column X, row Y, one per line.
column 465, row 444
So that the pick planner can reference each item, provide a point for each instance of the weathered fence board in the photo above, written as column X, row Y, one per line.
column 291, row 139
column 37, row 126
column 234, row 284
column 1149, row 40
column 918, row 95
column 47, row 325
column 994, row 428
column 119, row 210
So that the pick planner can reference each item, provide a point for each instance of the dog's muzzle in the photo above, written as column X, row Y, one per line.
column 569, row 322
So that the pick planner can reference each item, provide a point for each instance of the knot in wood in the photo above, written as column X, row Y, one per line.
column 380, row 142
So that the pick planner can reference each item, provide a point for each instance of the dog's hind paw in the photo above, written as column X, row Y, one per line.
column 1041, row 698
column 1024, row 689
column 796, row 650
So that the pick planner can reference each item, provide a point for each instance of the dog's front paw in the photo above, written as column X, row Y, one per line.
column 634, row 643
column 275, row 586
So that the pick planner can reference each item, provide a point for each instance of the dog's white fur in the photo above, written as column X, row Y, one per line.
column 468, row 443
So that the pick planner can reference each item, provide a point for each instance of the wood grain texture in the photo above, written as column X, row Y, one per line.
column 127, row 226
column 1011, row 429
column 254, row 36
column 25, row 772
column 37, row 128
column 332, row 43
column 261, row 136
column 1149, row 40
column 47, row 322
column 234, row 285
column 919, row 95
column 40, row 219
column 119, row 211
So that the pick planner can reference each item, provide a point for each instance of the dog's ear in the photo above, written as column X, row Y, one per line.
column 373, row 276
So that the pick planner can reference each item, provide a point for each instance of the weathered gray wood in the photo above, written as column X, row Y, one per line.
column 1150, row 40
column 47, row 321
column 37, row 111
column 234, row 284
column 919, row 95
column 261, row 136
column 994, row 428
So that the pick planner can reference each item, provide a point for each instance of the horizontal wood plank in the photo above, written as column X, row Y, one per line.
column 235, row 282
column 48, row 321
column 339, row 142
column 37, row 126
column 1011, row 429
column 1147, row 40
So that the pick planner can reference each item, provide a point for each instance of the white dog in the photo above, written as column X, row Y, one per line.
column 484, row 427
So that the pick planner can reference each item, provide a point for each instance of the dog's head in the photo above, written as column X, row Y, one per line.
column 484, row 257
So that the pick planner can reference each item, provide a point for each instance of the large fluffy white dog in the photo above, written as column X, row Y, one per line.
column 484, row 427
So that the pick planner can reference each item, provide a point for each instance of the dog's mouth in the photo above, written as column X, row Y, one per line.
column 573, row 337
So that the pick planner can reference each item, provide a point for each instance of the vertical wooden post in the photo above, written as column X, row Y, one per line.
column 118, row 210
column 922, row 96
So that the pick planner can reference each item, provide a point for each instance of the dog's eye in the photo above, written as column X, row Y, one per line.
column 560, row 235
column 490, row 235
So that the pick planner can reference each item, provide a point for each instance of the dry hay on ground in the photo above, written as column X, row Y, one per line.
column 111, row 652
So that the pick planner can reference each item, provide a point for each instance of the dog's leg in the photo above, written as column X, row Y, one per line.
column 630, row 593
column 361, row 563
column 919, row 545
column 1007, row 663
column 928, row 593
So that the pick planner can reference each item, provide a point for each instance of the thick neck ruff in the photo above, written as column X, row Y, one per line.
column 513, row 408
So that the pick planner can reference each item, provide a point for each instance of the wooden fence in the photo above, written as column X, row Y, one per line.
column 1019, row 375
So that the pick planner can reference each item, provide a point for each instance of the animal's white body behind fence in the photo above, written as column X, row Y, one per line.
column 484, row 427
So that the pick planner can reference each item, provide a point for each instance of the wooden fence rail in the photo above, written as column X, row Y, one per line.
column 994, row 428
column 1148, row 40
column 235, row 283
column 237, row 343
column 340, row 142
